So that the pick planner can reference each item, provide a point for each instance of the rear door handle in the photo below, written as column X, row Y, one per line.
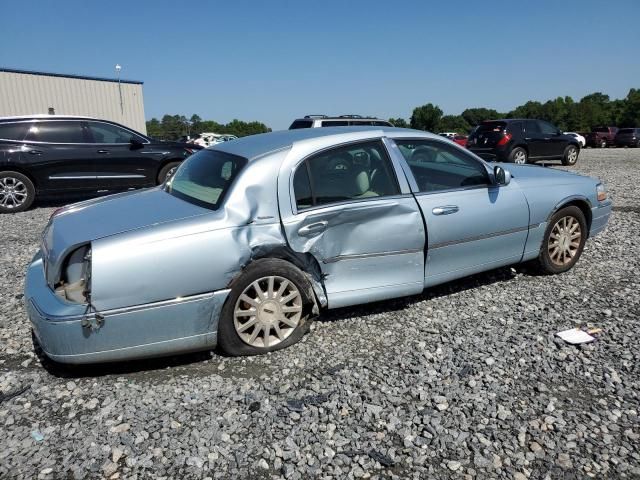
column 104, row 151
column 445, row 210
column 35, row 152
column 313, row 228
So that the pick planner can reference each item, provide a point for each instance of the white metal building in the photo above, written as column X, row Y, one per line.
column 24, row 92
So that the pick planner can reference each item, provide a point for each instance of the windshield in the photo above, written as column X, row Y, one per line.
column 205, row 177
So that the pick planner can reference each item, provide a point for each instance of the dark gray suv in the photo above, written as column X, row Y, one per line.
column 522, row 141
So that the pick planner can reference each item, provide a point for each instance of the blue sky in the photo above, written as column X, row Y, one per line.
column 273, row 61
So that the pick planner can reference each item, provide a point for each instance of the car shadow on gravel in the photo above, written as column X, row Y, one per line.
column 200, row 360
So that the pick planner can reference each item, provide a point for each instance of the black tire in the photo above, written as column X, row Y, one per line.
column 166, row 172
column 17, row 192
column 229, row 340
column 517, row 154
column 570, row 156
column 544, row 262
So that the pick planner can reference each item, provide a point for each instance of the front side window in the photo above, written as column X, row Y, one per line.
column 205, row 177
column 352, row 172
column 56, row 132
column 438, row 166
column 108, row 133
column 13, row 131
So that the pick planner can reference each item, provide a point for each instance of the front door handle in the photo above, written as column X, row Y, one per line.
column 445, row 210
column 35, row 152
column 103, row 151
column 313, row 228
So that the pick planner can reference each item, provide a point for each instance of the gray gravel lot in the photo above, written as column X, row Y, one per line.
column 463, row 381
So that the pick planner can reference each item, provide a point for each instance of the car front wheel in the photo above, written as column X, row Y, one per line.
column 518, row 155
column 570, row 156
column 17, row 192
column 268, row 309
column 603, row 144
column 563, row 241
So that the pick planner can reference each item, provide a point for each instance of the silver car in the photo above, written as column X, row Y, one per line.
column 253, row 238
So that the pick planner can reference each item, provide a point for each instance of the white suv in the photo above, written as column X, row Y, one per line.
column 314, row 121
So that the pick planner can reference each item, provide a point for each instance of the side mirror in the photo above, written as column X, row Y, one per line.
column 502, row 176
column 135, row 143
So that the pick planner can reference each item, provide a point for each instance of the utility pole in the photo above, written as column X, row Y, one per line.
column 118, row 68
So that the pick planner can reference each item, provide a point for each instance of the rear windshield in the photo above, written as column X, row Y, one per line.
column 601, row 130
column 626, row 130
column 301, row 124
column 204, row 178
column 491, row 127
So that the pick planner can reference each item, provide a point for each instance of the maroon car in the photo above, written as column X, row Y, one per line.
column 601, row 137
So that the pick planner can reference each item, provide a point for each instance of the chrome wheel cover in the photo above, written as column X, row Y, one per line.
column 564, row 240
column 520, row 158
column 572, row 156
column 267, row 312
column 13, row 193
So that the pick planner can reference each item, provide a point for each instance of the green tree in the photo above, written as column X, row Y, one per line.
column 474, row 116
column 399, row 122
column 629, row 115
column 426, row 117
column 154, row 129
column 453, row 123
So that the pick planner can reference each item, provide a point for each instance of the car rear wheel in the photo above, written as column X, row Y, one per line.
column 570, row 156
column 167, row 172
column 603, row 143
column 563, row 241
column 17, row 192
column 269, row 308
column 518, row 155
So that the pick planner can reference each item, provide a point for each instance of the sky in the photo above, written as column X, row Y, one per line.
column 274, row 61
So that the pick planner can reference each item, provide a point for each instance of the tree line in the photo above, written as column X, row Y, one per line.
column 172, row 127
column 568, row 115
column 592, row 110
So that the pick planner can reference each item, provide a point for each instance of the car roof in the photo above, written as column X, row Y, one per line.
column 254, row 146
column 40, row 116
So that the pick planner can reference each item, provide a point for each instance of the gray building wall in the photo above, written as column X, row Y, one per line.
column 27, row 93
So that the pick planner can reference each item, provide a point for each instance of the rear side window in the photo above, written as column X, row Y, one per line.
column 532, row 126
column 301, row 124
column 335, row 123
column 515, row 127
column 353, row 172
column 601, row 129
column 13, row 131
column 56, row 132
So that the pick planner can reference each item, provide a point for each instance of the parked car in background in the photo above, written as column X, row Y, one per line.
column 50, row 155
column 601, row 137
column 627, row 137
column 522, row 141
column 460, row 140
column 315, row 121
column 581, row 140
column 448, row 134
column 251, row 239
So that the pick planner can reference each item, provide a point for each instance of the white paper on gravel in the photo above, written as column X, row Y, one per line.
column 575, row 336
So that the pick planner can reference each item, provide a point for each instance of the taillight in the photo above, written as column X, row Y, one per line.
column 504, row 140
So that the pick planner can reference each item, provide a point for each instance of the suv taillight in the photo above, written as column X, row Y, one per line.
column 505, row 139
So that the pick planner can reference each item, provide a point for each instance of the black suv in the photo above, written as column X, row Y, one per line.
column 314, row 121
column 522, row 141
column 50, row 155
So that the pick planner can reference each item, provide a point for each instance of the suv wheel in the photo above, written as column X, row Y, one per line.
column 17, row 192
column 570, row 156
column 167, row 172
column 603, row 143
column 518, row 155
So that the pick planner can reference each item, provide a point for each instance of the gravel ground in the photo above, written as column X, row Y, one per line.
column 463, row 381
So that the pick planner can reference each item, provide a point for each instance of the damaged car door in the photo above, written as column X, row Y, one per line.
column 362, row 225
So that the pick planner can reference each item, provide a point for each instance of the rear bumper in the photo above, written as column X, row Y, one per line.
column 627, row 142
column 69, row 333
column 599, row 217
column 491, row 154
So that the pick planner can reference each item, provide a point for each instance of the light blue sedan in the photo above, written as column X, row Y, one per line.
column 251, row 239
